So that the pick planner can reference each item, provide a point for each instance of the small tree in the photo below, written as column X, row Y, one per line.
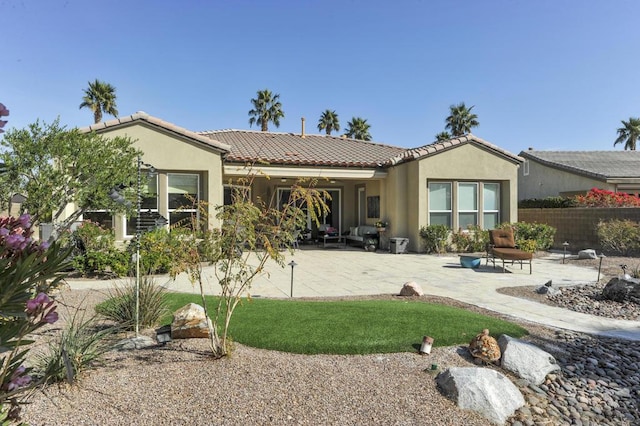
column 55, row 167
column 251, row 234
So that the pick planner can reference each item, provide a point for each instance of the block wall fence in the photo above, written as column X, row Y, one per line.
column 577, row 226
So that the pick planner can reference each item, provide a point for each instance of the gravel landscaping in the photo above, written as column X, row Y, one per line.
column 180, row 384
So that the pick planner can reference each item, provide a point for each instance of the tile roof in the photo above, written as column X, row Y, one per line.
column 437, row 147
column 598, row 164
column 310, row 150
column 172, row 128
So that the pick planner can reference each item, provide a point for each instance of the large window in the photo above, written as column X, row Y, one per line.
column 148, row 208
column 440, row 203
column 183, row 194
column 231, row 191
column 473, row 203
column 467, row 204
column 491, row 205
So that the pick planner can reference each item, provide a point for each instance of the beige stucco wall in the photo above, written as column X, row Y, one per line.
column 407, row 186
column 170, row 153
column 543, row 181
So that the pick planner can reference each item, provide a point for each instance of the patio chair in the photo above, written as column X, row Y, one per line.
column 502, row 246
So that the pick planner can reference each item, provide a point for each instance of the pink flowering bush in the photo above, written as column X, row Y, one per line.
column 604, row 198
column 28, row 269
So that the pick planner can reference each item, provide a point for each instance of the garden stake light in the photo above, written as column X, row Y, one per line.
column 292, row 264
column 564, row 248
column 601, row 256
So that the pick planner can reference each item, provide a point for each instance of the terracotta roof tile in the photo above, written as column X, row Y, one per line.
column 293, row 149
column 436, row 147
column 143, row 116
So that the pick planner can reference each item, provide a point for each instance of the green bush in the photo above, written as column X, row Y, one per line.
column 619, row 236
column 95, row 252
column 474, row 239
column 155, row 251
column 547, row 203
column 434, row 238
column 542, row 234
column 121, row 304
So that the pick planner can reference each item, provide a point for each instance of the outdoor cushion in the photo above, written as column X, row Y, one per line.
column 511, row 253
column 502, row 238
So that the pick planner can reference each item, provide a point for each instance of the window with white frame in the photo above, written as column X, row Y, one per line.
column 490, row 205
column 440, row 203
column 467, row 204
column 183, row 196
column 464, row 205
column 148, row 207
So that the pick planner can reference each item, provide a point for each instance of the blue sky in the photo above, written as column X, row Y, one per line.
column 548, row 74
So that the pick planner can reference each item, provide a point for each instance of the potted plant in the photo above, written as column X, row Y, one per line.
column 382, row 225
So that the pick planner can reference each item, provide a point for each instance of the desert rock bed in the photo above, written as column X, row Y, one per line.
column 179, row 384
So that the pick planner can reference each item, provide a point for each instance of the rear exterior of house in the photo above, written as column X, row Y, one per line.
column 460, row 182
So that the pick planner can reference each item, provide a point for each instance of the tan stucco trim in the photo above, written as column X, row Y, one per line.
column 235, row 170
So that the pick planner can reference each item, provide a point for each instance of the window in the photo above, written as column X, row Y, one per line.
column 148, row 208
column 229, row 193
column 440, row 203
column 525, row 168
column 101, row 217
column 373, row 207
column 183, row 194
column 491, row 205
column 474, row 203
column 467, row 204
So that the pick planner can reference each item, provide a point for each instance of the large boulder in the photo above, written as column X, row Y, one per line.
column 587, row 254
column 190, row 322
column 622, row 289
column 486, row 391
column 526, row 360
column 411, row 289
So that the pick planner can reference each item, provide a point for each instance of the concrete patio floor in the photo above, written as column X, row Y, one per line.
column 351, row 271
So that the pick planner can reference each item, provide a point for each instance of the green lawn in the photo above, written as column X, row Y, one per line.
column 350, row 327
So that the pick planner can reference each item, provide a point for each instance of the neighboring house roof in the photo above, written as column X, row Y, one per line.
column 307, row 150
column 437, row 147
column 597, row 164
column 156, row 122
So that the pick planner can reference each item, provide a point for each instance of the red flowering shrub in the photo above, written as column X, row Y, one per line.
column 604, row 198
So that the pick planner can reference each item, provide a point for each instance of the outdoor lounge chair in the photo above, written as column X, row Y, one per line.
column 502, row 246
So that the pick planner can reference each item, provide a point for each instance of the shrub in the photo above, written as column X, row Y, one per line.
column 434, row 238
column 619, row 236
column 155, row 251
column 540, row 233
column 604, row 198
column 121, row 305
column 27, row 270
column 76, row 349
column 547, row 203
column 96, row 253
column 474, row 239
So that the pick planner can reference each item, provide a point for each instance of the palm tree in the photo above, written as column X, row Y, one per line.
column 629, row 133
column 266, row 108
column 329, row 122
column 461, row 120
column 358, row 128
column 443, row 136
column 100, row 98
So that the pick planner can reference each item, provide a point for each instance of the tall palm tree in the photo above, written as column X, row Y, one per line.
column 629, row 133
column 443, row 136
column 100, row 98
column 329, row 122
column 461, row 120
column 266, row 108
column 358, row 128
